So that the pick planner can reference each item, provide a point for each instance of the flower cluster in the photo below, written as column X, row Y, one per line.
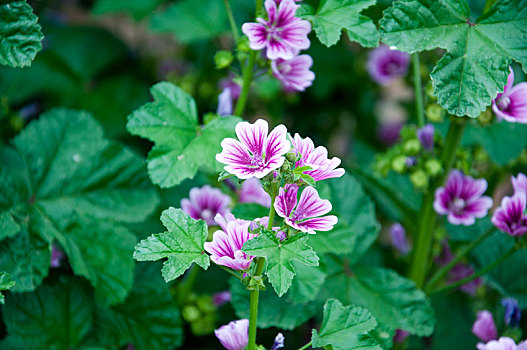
column 283, row 35
column 510, row 216
column 511, row 104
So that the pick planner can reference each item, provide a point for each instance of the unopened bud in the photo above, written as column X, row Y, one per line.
column 291, row 157
column 399, row 163
column 435, row 113
column 433, row 167
column 419, row 179
column 412, row 147
column 223, row 59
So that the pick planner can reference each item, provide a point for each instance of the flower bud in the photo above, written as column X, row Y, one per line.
column 435, row 113
column 412, row 147
column 433, row 167
column 399, row 163
column 291, row 157
column 286, row 167
column 243, row 45
column 419, row 179
column 223, row 59
column 426, row 137
column 484, row 327
column 512, row 312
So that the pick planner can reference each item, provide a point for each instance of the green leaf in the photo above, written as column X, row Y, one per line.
column 20, row 34
column 345, row 328
column 190, row 20
column 181, row 146
column 279, row 256
column 272, row 310
column 53, row 317
column 139, row 9
column 307, row 284
column 182, row 244
column 394, row 300
column 6, row 282
column 476, row 64
column 149, row 317
column 340, row 240
column 249, row 211
column 332, row 16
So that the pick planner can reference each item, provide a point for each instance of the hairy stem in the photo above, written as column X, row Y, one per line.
column 461, row 254
column 418, row 90
column 424, row 238
column 475, row 275
column 232, row 22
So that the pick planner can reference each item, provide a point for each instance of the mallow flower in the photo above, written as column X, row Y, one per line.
column 253, row 192
column 504, row 343
column 511, row 104
column 316, row 158
column 294, row 74
column 282, row 34
column 254, row 154
column 235, row 335
column 205, row 203
column 226, row 246
column 306, row 213
column 462, row 199
column 484, row 327
column 385, row 64
column 510, row 216
column 519, row 183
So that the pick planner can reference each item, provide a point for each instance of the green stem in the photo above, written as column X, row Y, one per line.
column 231, row 272
column 253, row 301
column 185, row 287
column 419, row 266
column 246, row 84
column 418, row 90
column 475, row 275
column 232, row 22
column 305, row 346
column 461, row 254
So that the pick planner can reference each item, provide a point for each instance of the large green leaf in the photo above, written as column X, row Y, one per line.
column 181, row 145
column 394, row 300
column 137, row 8
column 279, row 256
column 345, row 328
column 53, row 317
column 148, row 319
column 6, row 282
column 182, row 244
column 307, row 284
column 333, row 16
column 20, row 33
column 73, row 185
column 476, row 64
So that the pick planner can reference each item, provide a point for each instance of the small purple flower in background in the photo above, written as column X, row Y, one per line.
column 504, row 343
column 306, row 216
column 256, row 154
column 519, row 183
column 461, row 271
column 205, row 203
column 511, row 104
column 426, row 137
column 235, row 335
column 224, row 103
column 283, row 34
column 462, row 199
column 398, row 239
column 445, row 256
column 229, row 83
column 316, row 158
column 226, row 245
column 390, row 133
column 294, row 73
column 56, row 256
column 253, row 192
column 278, row 342
column 400, row 336
column 410, row 162
column 385, row 64
column 512, row 312
column 484, row 327
column 510, row 216
column 221, row 298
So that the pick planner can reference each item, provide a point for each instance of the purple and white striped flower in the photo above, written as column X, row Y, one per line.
column 519, row 183
column 304, row 214
column 253, row 192
column 504, row 343
column 282, row 34
column 205, row 203
column 226, row 246
column 511, row 104
column 385, row 64
column 462, row 199
column 256, row 154
column 484, row 327
column 316, row 158
column 294, row 73
column 235, row 335
column 510, row 216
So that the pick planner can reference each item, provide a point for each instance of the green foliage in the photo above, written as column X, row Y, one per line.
column 307, row 284
column 279, row 256
column 249, row 211
column 137, row 8
column 479, row 53
column 76, row 187
column 182, row 244
column 345, row 328
column 20, row 34
column 333, row 16
column 181, row 145
column 6, row 282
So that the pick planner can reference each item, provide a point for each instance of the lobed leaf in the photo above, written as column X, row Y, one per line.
column 6, row 282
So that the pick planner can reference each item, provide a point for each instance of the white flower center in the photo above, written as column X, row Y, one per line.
column 458, row 205
column 504, row 102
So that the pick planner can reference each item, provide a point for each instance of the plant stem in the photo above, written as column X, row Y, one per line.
column 253, row 301
column 232, row 22
column 462, row 253
column 230, row 271
column 185, row 287
column 477, row 274
column 418, row 90
column 305, row 346
column 419, row 266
